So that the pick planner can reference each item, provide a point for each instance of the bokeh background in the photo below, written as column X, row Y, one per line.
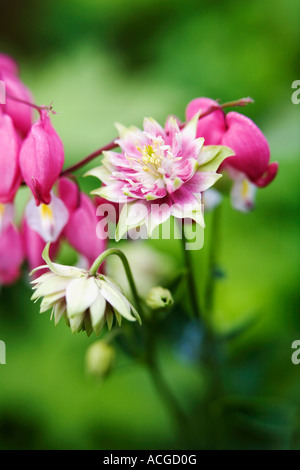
column 115, row 60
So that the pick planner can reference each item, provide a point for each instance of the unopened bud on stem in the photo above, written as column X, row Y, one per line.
column 100, row 359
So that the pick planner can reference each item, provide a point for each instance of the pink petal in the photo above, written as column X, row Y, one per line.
column 252, row 153
column 81, row 230
column 69, row 193
column 201, row 181
column 34, row 246
column 21, row 114
column 7, row 214
column 268, row 176
column 8, row 65
column 152, row 127
column 212, row 126
column 41, row 159
column 11, row 255
column 9, row 160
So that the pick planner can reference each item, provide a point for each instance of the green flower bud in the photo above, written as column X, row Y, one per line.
column 159, row 299
column 99, row 359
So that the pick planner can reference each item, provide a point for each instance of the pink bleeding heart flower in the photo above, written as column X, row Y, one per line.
column 160, row 172
column 11, row 255
column 251, row 148
column 34, row 246
column 42, row 159
column 21, row 113
column 9, row 160
column 82, row 230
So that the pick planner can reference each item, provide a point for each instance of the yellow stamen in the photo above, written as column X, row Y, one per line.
column 245, row 189
column 46, row 212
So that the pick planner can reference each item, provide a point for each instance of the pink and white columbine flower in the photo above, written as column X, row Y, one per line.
column 159, row 173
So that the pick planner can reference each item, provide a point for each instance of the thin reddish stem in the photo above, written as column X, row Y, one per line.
column 111, row 145
column 230, row 104
column 32, row 105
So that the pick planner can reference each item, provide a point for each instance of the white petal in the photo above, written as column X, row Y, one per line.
column 112, row 192
column 97, row 311
column 194, row 212
column 47, row 220
column 132, row 215
column 211, row 199
column 190, row 129
column 243, row 195
column 101, row 173
column 50, row 300
column 50, row 286
column 116, row 300
column 80, row 294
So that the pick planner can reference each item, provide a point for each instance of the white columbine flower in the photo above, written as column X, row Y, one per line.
column 86, row 301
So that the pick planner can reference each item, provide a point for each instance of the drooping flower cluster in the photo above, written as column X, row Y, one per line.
column 32, row 154
column 250, row 166
column 157, row 172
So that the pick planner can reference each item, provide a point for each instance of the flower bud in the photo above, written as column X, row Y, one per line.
column 159, row 298
column 9, row 160
column 100, row 359
column 41, row 159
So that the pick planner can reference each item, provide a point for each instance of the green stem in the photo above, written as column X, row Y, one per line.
column 150, row 357
column 212, row 345
column 115, row 251
column 212, row 260
column 160, row 384
column 190, row 278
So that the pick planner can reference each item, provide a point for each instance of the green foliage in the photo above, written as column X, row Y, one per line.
column 110, row 61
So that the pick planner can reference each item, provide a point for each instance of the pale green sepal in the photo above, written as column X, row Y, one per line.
column 59, row 269
column 216, row 154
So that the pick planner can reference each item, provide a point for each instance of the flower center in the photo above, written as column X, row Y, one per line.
column 151, row 159
column 46, row 211
column 47, row 218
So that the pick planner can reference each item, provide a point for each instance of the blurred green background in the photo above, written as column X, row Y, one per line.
column 115, row 60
